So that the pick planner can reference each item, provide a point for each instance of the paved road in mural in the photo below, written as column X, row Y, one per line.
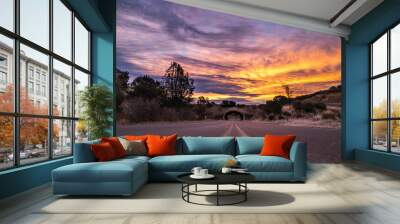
column 322, row 141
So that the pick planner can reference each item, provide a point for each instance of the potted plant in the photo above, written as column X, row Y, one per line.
column 96, row 104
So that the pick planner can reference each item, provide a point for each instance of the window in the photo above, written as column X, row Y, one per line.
column 3, row 61
column 6, row 142
column 7, row 14
column 3, row 78
column 62, row 74
column 385, row 92
column 81, row 45
column 62, row 29
column 30, row 72
column 3, row 72
column 62, row 137
column 6, row 73
column 38, row 89
column 38, row 75
column 81, row 82
column 44, row 91
column 33, row 147
column 35, row 21
column 43, row 114
column 30, row 87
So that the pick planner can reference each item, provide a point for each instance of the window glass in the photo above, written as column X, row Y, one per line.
column 395, row 95
column 6, row 74
column 395, row 136
column 81, row 131
column 6, row 142
column 7, row 14
column 379, row 98
column 34, row 21
column 81, row 45
column 62, row 89
column 379, row 135
column 395, row 47
column 62, row 138
column 33, row 140
column 81, row 82
column 39, row 62
column 62, row 29
column 379, row 56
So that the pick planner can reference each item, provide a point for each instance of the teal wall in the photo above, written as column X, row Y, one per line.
column 99, row 15
column 356, row 85
column 24, row 178
column 103, row 64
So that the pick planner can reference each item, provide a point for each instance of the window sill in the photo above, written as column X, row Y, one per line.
column 30, row 166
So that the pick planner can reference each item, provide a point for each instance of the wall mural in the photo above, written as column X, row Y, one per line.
column 202, row 73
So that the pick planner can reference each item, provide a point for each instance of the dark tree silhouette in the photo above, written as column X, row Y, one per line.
column 178, row 87
column 122, row 86
column 146, row 87
column 228, row 103
column 287, row 90
column 201, row 107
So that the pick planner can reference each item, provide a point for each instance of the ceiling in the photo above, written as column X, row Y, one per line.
column 327, row 16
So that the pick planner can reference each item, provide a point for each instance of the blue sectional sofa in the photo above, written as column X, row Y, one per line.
column 125, row 176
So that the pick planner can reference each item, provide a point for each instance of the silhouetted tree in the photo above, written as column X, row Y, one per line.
column 178, row 87
column 203, row 101
column 228, row 103
column 282, row 100
column 201, row 107
column 122, row 86
column 146, row 87
column 288, row 91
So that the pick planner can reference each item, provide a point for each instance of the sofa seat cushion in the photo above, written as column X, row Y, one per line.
column 185, row 163
column 133, row 157
column 112, row 171
column 257, row 163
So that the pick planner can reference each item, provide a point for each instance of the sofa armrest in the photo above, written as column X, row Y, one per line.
column 298, row 155
column 83, row 152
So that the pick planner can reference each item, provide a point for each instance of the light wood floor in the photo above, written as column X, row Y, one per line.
column 377, row 188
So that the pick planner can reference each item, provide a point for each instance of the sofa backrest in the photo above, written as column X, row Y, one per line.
column 191, row 146
column 249, row 145
column 207, row 145
column 83, row 152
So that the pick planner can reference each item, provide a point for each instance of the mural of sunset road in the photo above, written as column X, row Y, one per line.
column 240, row 77
column 229, row 57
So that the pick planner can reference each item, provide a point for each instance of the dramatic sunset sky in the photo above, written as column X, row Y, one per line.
column 229, row 57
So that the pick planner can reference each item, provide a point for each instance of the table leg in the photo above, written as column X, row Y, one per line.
column 245, row 193
column 217, row 194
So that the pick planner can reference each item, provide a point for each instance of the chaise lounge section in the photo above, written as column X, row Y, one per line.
column 125, row 176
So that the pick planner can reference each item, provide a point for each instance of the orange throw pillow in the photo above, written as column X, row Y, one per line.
column 161, row 145
column 277, row 145
column 103, row 152
column 116, row 145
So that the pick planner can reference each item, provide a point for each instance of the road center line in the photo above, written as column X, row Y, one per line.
column 240, row 131
column 229, row 130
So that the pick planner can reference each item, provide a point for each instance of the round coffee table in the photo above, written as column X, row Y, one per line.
column 238, row 179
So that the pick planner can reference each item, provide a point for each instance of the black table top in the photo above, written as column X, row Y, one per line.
column 220, row 178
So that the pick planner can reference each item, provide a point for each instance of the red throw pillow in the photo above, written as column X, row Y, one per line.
column 161, row 145
column 277, row 145
column 116, row 145
column 103, row 152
